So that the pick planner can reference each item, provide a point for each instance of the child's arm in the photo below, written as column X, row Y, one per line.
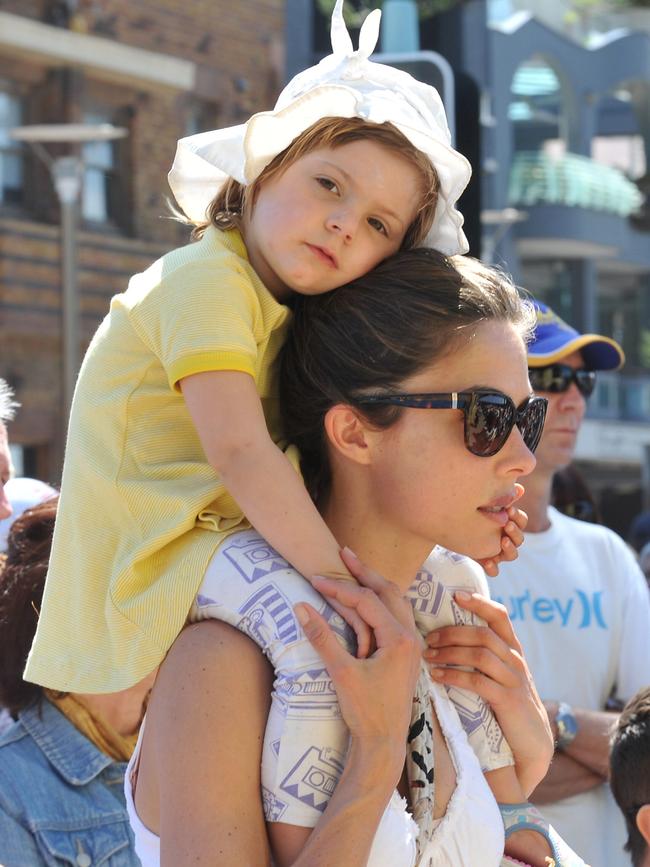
column 227, row 413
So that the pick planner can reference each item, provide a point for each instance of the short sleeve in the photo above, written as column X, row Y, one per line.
column 202, row 315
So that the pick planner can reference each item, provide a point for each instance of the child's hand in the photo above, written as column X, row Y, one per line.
column 355, row 569
column 512, row 538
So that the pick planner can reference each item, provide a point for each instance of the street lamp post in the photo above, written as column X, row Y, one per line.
column 67, row 177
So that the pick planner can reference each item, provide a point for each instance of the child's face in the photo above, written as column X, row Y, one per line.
column 330, row 217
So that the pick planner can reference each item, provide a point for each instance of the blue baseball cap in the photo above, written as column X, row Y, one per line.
column 553, row 340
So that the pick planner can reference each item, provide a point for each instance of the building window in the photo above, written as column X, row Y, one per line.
column 200, row 117
column 11, row 154
column 99, row 200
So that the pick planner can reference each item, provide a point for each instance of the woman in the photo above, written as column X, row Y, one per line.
column 62, row 761
column 415, row 333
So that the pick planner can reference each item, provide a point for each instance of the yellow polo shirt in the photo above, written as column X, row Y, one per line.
column 141, row 510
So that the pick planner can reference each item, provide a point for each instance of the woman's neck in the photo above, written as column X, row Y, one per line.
column 384, row 549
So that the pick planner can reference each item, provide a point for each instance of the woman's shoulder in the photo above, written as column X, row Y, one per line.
column 249, row 585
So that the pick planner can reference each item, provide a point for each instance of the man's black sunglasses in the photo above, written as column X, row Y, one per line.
column 557, row 378
column 489, row 415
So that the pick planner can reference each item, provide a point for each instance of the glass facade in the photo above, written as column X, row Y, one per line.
column 11, row 152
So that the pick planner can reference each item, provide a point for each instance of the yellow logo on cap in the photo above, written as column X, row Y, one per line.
column 548, row 317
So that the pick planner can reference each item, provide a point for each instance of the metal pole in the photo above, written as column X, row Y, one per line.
column 66, row 175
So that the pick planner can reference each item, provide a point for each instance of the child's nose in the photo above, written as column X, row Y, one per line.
column 343, row 223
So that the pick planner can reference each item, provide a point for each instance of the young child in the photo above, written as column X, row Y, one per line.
column 629, row 774
column 174, row 426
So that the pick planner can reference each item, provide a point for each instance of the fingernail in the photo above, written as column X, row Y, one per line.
column 429, row 654
column 350, row 552
column 433, row 638
column 506, row 543
column 509, row 527
column 462, row 596
column 436, row 673
column 302, row 615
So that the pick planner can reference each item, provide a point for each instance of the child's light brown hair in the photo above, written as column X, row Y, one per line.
column 232, row 201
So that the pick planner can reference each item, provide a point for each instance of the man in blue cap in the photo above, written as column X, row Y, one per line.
column 578, row 602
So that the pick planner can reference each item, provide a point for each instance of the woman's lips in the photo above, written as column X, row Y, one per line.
column 497, row 510
column 495, row 513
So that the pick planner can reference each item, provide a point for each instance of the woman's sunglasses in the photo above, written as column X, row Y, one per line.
column 489, row 416
column 557, row 378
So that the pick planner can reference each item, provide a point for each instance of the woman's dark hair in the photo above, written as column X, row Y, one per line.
column 22, row 579
column 629, row 764
column 370, row 335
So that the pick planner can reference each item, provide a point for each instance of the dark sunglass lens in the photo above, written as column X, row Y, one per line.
column 488, row 423
column 586, row 381
column 554, row 379
column 531, row 422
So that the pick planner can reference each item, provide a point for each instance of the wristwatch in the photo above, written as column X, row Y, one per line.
column 567, row 725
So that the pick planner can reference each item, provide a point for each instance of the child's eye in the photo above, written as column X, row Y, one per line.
column 378, row 225
column 328, row 184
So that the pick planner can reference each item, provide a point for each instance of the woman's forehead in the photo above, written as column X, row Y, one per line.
column 491, row 354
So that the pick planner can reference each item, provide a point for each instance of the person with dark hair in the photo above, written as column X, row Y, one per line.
column 639, row 532
column 62, row 761
column 406, row 441
column 570, row 495
column 629, row 774
column 644, row 561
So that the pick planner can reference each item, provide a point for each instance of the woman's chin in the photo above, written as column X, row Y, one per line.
column 477, row 549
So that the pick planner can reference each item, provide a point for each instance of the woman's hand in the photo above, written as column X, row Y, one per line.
column 512, row 538
column 375, row 694
column 500, row 675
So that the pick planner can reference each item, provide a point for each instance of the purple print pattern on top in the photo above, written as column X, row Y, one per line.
column 250, row 586
column 252, row 557
column 434, row 606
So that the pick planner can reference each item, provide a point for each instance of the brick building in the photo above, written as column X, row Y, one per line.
column 160, row 68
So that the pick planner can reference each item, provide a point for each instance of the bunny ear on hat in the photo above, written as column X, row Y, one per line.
column 344, row 84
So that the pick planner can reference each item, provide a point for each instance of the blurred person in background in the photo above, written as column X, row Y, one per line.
column 16, row 495
column 7, row 407
column 578, row 602
column 639, row 532
column 644, row 561
column 62, row 761
column 570, row 495
column 629, row 763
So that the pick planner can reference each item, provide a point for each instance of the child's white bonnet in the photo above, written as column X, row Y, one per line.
column 344, row 84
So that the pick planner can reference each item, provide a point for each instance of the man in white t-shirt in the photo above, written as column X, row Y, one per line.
column 578, row 602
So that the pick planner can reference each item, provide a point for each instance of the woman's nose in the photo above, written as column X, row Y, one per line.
column 518, row 458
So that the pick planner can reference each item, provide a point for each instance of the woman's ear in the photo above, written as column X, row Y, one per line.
column 643, row 822
column 348, row 433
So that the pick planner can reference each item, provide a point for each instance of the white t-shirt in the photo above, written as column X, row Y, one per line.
column 581, row 609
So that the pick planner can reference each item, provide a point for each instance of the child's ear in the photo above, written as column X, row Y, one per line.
column 643, row 822
column 348, row 433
